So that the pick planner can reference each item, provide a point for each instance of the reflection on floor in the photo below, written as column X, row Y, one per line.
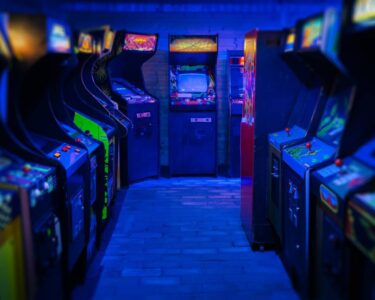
column 180, row 239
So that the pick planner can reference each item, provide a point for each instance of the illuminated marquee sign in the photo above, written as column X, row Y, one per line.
column 364, row 12
column 312, row 33
column 192, row 45
column 108, row 39
column 85, row 43
column 58, row 37
column 289, row 45
column 139, row 42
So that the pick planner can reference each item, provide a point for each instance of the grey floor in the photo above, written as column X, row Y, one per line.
column 179, row 239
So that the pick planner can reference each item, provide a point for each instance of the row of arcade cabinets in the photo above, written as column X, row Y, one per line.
column 192, row 105
column 63, row 147
column 319, row 204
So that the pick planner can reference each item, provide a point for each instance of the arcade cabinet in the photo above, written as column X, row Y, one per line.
column 302, row 121
column 267, row 103
column 91, row 119
column 95, row 149
column 34, row 67
column 31, row 243
column 192, row 105
column 343, row 192
column 236, row 94
column 129, row 53
column 99, row 85
column 29, row 257
column 317, row 38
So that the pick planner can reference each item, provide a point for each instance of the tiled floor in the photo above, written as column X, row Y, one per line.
column 180, row 239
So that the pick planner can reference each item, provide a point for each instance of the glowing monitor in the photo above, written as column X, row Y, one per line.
column 192, row 83
column 140, row 42
column 58, row 37
column 364, row 12
column 312, row 33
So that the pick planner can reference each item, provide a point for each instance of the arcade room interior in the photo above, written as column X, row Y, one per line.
column 187, row 149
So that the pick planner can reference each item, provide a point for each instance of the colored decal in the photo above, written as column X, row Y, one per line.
column 97, row 132
column 329, row 199
column 249, row 79
column 140, row 42
column 191, row 45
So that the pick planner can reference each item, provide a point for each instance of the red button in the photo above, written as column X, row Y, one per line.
column 64, row 149
column 26, row 168
column 339, row 163
column 308, row 145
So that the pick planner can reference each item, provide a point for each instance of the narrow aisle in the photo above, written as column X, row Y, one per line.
column 181, row 238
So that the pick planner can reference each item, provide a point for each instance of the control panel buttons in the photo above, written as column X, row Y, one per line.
column 65, row 149
column 57, row 154
column 77, row 150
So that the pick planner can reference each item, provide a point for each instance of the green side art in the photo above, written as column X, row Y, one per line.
column 98, row 133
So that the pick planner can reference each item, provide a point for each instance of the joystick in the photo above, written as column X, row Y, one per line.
column 287, row 130
column 309, row 146
column 339, row 162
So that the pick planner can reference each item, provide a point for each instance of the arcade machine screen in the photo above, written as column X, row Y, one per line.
column 364, row 12
column 192, row 83
column 312, row 33
column 139, row 42
column 58, row 37
column 334, row 117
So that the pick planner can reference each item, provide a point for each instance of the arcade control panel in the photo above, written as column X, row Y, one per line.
column 82, row 138
column 69, row 156
column 131, row 94
column 287, row 136
column 304, row 156
column 340, row 179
